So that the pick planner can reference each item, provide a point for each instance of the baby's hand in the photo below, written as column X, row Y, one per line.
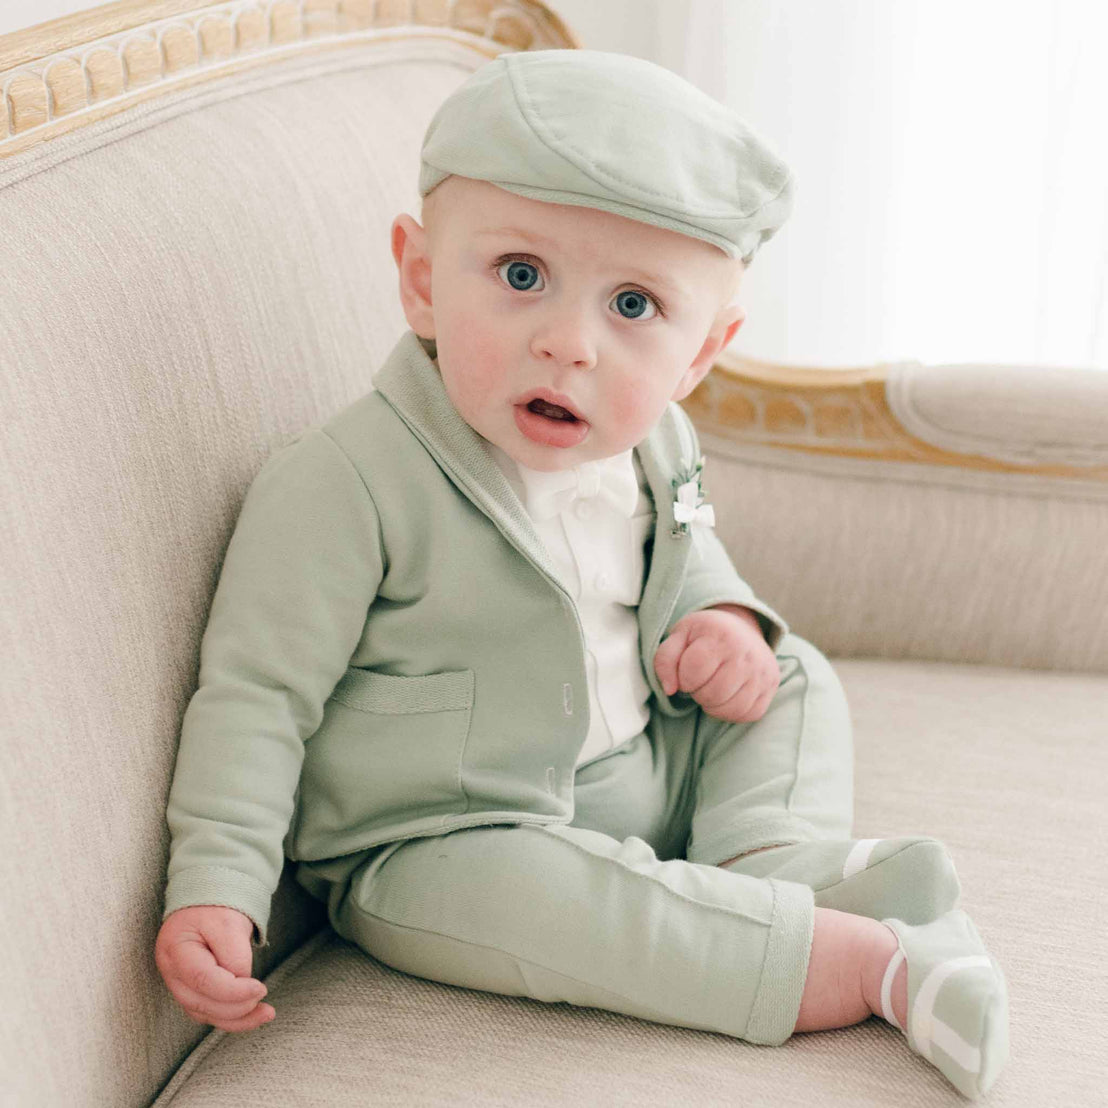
column 204, row 955
column 721, row 658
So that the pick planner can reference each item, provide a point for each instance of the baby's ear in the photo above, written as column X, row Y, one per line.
column 727, row 322
column 410, row 251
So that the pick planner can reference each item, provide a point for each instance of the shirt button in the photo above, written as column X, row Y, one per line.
column 603, row 582
column 582, row 509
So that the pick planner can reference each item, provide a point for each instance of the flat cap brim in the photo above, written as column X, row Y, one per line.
column 613, row 132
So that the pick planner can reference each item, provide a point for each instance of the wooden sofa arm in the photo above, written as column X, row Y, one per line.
column 953, row 513
column 848, row 412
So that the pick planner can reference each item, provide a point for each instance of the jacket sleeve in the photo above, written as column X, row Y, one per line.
column 711, row 578
column 302, row 568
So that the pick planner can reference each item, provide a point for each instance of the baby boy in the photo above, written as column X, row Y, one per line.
column 478, row 664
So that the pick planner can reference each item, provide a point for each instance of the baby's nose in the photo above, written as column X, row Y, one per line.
column 565, row 344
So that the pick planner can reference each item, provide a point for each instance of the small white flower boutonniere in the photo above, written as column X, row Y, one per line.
column 689, row 505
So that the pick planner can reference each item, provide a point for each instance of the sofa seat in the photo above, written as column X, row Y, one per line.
column 959, row 752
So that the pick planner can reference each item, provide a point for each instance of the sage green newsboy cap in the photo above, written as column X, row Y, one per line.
column 613, row 132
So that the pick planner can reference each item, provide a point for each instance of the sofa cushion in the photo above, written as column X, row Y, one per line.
column 959, row 752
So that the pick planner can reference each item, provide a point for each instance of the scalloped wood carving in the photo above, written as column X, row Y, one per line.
column 70, row 71
column 828, row 411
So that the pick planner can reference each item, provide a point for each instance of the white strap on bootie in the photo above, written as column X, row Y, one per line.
column 957, row 1019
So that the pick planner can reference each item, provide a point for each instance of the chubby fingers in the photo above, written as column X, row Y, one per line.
column 745, row 704
column 724, row 686
column 740, row 691
column 209, row 993
column 686, row 661
column 667, row 657
column 730, row 675
column 700, row 661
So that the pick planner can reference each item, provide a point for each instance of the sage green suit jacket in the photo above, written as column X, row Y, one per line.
column 390, row 653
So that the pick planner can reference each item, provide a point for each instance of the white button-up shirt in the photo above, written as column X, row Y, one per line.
column 598, row 554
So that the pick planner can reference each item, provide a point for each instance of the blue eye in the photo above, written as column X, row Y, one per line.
column 520, row 275
column 631, row 305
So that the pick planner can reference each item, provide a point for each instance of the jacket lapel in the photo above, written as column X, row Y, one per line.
column 670, row 553
column 410, row 381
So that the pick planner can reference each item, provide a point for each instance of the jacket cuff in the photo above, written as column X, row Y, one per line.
column 224, row 888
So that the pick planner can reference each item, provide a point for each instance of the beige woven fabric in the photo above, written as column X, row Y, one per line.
column 182, row 288
column 896, row 560
column 952, row 751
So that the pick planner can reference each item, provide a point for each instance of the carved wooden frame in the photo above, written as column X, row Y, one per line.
column 71, row 71
column 839, row 412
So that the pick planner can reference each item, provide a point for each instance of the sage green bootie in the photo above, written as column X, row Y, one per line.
column 957, row 1000
column 912, row 879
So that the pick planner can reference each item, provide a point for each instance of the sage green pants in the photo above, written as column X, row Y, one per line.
column 625, row 908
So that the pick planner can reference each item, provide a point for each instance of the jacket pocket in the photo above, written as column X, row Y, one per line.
column 386, row 694
column 389, row 750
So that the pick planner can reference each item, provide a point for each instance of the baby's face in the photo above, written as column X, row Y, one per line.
column 562, row 332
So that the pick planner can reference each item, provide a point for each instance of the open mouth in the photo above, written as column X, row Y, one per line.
column 551, row 411
column 550, row 424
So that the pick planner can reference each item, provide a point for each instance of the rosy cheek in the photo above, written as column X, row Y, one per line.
column 484, row 347
column 484, row 358
column 632, row 405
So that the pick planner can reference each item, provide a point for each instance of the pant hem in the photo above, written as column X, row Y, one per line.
column 785, row 969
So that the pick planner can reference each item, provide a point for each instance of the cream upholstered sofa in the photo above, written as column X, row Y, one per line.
column 194, row 211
